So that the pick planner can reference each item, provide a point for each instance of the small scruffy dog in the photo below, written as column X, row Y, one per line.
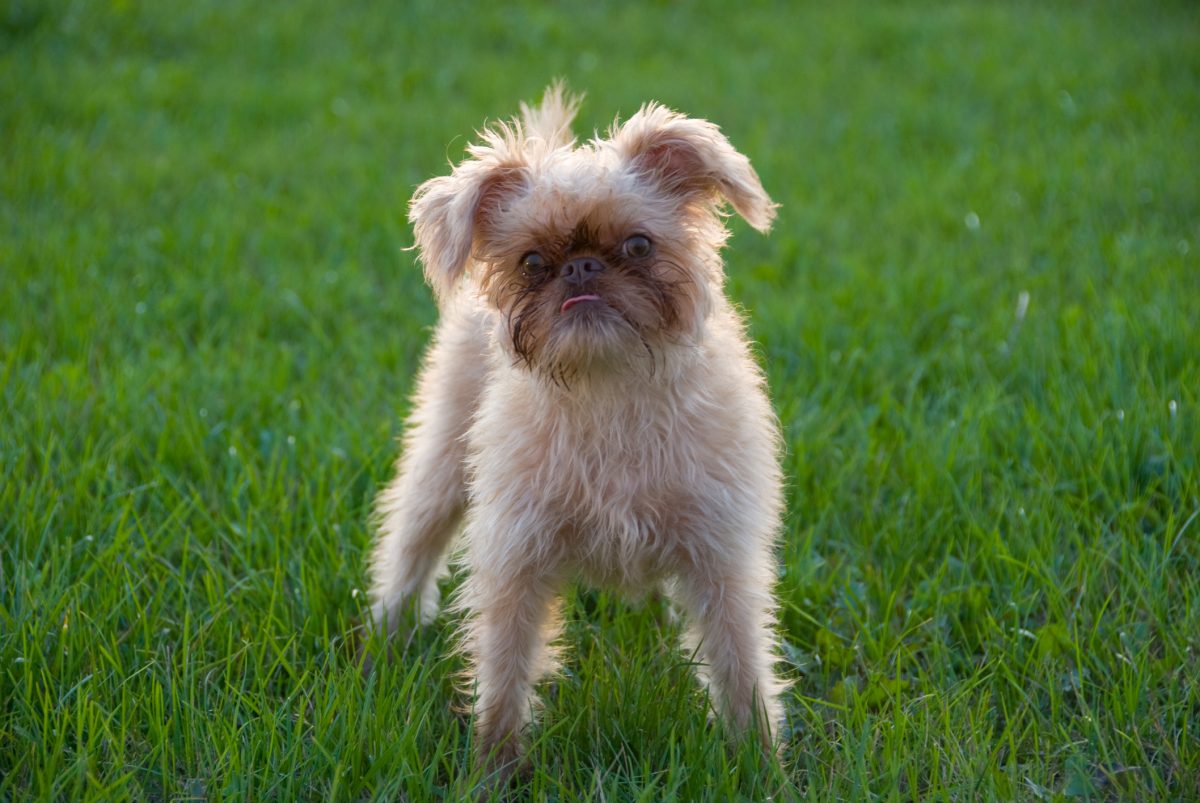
column 589, row 406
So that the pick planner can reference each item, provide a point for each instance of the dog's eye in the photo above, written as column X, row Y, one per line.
column 637, row 246
column 532, row 263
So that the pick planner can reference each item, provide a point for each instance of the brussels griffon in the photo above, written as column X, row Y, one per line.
column 589, row 406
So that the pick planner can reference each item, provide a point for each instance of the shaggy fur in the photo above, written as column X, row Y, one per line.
column 589, row 407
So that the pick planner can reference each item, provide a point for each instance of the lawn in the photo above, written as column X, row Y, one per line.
column 979, row 313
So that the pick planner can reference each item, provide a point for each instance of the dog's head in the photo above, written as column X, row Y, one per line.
column 593, row 255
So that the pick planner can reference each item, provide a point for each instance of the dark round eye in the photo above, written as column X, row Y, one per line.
column 532, row 263
column 638, row 246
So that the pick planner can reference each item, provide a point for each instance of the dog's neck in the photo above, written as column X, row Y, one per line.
column 612, row 394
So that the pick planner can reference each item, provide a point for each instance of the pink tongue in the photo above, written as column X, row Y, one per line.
column 570, row 302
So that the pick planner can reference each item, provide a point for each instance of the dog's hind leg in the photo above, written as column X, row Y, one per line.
column 419, row 511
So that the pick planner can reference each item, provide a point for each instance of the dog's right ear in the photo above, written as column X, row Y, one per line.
column 446, row 211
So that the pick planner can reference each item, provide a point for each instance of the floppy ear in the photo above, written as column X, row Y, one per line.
column 446, row 211
column 693, row 157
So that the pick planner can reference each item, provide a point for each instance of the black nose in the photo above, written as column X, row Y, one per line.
column 580, row 269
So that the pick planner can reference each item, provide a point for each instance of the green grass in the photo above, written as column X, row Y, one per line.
column 978, row 313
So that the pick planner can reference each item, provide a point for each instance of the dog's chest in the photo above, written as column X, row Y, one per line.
column 623, row 460
column 619, row 484
column 622, row 480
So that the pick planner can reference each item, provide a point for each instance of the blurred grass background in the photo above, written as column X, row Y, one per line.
column 977, row 313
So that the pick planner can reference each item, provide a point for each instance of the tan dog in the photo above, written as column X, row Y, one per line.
column 589, row 406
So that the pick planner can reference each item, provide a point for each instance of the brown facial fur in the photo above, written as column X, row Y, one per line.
column 645, row 302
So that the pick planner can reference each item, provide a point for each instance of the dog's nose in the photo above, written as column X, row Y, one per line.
column 580, row 269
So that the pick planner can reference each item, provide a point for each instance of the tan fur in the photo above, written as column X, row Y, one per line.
column 625, row 441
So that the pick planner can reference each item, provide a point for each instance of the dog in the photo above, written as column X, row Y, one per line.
column 589, row 408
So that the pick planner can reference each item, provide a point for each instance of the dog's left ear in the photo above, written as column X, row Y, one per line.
column 690, row 156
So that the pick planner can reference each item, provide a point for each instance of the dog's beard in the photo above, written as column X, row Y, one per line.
column 595, row 339
column 630, row 325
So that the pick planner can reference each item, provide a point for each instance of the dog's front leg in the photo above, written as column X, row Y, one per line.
column 730, row 624
column 510, row 601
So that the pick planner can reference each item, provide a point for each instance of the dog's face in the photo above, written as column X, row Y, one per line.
column 595, row 256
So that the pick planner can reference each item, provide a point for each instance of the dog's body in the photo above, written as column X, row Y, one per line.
column 589, row 406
